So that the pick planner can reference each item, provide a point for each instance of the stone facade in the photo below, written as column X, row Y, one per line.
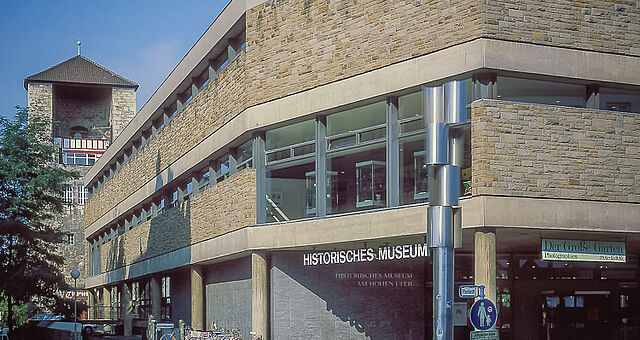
column 295, row 45
column 40, row 99
column 227, row 206
column 220, row 101
column 606, row 26
column 123, row 108
column 532, row 150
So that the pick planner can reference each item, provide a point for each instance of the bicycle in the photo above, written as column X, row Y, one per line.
column 170, row 336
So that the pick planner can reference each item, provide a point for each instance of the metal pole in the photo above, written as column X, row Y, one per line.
column 75, row 314
column 442, row 106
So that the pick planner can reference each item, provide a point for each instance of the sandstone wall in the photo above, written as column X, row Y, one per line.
column 215, row 105
column 533, row 150
column 123, row 108
column 599, row 25
column 227, row 206
column 295, row 45
column 40, row 100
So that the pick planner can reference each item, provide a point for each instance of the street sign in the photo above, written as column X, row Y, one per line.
column 471, row 291
column 483, row 314
column 460, row 313
column 484, row 335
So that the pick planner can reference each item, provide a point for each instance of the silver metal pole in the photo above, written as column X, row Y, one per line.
column 75, row 314
column 442, row 106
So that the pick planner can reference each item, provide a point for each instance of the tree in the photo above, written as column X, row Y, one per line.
column 31, row 184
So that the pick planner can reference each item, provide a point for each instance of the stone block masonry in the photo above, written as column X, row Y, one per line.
column 123, row 108
column 40, row 99
column 533, row 150
column 225, row 207
column 214, row 106
column 296, row 45
column 600, row 25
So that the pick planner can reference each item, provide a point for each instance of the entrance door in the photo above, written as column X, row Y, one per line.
column 583, row 315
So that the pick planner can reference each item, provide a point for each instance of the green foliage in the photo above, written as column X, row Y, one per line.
column 19, row 313
column 31, row 184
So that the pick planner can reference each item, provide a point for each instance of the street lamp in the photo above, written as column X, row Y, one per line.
column 75, row 274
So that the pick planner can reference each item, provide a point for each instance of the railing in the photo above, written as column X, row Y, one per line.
column 99, row 312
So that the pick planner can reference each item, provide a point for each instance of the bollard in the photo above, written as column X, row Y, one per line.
column 151, row 328
column 181, row 329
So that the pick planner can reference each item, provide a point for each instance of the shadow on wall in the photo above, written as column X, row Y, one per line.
column 377, row 300
column 149, row 239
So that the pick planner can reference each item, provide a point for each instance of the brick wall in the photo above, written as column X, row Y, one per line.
column 123, row 108
column 227, row 206
column 557, row 152
column 215, row 105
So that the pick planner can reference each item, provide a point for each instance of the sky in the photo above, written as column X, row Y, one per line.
column 141, row 40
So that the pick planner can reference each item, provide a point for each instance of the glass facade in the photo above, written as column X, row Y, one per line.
column 541, row 92
column 356, row 159
column 290, row 162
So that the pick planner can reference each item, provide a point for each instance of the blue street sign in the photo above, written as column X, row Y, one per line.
column 470, row 291
column 483, row 314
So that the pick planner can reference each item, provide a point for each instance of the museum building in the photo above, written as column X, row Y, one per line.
column 276, row 182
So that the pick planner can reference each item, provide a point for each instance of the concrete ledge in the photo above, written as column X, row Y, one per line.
column 478, row 212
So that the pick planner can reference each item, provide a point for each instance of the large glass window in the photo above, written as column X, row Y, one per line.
column 290, row 152
column 619, row 100
column 244, row 156
column 166, row 297
column 542, row 92
column 356, row 159
column 413, row 171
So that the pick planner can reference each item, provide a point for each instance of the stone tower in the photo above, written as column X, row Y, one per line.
column 89, row 105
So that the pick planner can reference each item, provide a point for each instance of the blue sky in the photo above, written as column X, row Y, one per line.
column 140, row 40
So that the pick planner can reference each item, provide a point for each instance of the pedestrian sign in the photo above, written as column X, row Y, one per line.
column 483, row 314
column 485, row 335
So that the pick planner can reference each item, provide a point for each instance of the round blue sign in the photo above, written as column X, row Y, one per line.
column 483, row 314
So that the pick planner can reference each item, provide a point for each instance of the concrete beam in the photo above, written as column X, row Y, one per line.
column 537, row 215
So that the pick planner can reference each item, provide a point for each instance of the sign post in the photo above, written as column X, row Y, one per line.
column 483, row 316
column 443, row 107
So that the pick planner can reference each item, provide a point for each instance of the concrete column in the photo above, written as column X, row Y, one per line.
column 259, row 295
column 92, row 305
column 127, row 309
column 321, row 166
column 259, row 163
column 196, row 185
column 233, row 161
column 593, row 96
column 212, row 71
column 194, row 89
column 197, row 299
column 393, row 153
column 179, row 105
column 106, row 302
column 156, row 298
column 485, row 263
